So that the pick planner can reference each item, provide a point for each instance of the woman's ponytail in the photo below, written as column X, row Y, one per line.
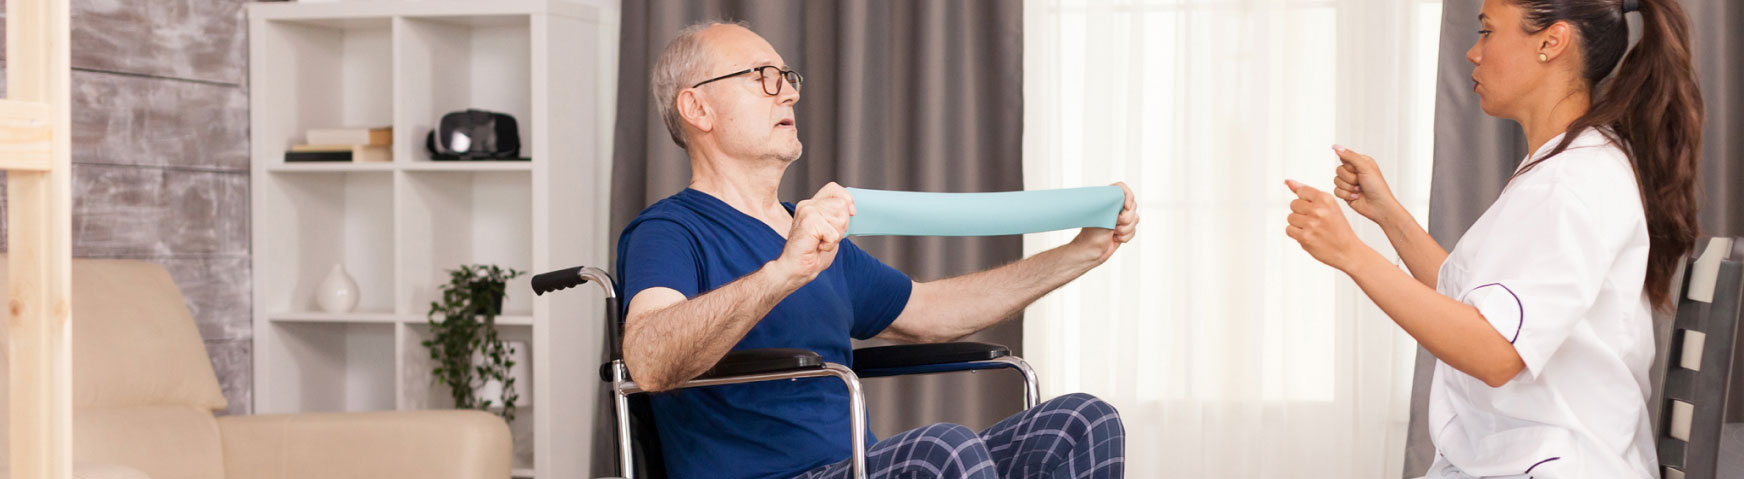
column 1652, row 104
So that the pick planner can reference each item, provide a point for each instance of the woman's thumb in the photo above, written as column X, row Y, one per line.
column 1353, row 159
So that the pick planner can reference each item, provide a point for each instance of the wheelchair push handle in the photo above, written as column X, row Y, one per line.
column 556, row 280
column 571, row 277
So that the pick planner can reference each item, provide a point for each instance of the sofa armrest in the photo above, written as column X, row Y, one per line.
column 413, row 444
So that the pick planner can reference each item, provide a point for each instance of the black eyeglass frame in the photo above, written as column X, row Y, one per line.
column 786, row 76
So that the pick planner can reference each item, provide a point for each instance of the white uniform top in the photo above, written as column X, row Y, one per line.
column 1556, row 265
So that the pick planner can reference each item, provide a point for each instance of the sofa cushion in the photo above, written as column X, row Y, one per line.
column 177, row 442
column 134, row 341
column 84, row 470
column 87, row 470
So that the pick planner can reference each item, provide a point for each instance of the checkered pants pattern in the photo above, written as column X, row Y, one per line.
column 1072, row 436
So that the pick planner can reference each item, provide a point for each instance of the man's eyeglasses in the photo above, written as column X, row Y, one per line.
column 771, row 76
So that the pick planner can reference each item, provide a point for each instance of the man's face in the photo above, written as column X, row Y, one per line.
column 749, row 121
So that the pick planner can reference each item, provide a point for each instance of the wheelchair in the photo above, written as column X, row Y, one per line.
column 639, row 455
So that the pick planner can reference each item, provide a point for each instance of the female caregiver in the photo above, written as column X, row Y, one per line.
column 1541, row 316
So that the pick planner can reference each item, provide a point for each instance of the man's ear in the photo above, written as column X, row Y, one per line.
column 694, row 109
column 1556, row 40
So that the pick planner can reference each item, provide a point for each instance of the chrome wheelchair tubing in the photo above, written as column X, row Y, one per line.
column 602, row 278
column 1031, row 386
column 626, row 456
column 622, row 388
column 857, row 415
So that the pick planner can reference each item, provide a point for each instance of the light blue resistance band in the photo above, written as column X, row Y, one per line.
column 907, row 213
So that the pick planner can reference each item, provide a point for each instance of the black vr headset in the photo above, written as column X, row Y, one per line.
column 475, row 135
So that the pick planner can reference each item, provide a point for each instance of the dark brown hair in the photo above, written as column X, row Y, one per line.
column 1652, row 105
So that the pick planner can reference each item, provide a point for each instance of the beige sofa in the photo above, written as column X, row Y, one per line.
column 144, row 393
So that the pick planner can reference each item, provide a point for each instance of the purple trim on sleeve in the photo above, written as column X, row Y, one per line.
column 1517, row 303
column 1540, row 463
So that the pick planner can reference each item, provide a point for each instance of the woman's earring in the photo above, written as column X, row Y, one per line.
column 1543, row 58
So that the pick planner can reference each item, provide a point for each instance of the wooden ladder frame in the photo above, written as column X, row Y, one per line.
column 35, row 151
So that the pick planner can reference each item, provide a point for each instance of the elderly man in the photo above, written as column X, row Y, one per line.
column 725, row 265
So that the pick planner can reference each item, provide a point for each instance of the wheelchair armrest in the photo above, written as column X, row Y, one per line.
column 763, row 361
column 915, row 358
column 751, row 361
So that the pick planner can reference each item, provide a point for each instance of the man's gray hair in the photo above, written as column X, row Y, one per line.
column 679, row 65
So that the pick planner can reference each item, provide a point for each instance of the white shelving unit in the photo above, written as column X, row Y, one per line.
column 396, row 227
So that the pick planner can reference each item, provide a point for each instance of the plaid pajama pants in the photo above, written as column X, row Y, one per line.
column 1072, row 436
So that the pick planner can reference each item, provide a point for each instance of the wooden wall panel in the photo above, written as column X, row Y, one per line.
column 130, row 120
column 136, row 212
column 202, row 40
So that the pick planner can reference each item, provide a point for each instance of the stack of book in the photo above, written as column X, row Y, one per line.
column 361, row 145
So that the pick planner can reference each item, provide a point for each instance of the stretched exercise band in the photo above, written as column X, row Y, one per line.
column 907, row 213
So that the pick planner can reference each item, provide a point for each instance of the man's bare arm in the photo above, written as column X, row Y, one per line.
column 669, row 339
column 948, row 309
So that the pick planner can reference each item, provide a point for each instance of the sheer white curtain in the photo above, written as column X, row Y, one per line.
column 1229, row 352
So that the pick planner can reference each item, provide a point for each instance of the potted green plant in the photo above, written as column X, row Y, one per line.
column 463, row 338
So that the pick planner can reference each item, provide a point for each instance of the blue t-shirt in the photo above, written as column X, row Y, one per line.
column 693, row 243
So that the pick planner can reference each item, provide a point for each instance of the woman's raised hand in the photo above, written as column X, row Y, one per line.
column 1317, row 223
column 1360, row 184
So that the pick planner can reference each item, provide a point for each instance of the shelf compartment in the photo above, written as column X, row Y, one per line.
column 378, row 317
column 331, row 367
column 346, row 167
column 326, row 73
column 381, row 317
column 453, row 218
column 455, row 63
column 309, row 222
column 467, row 166
column 333, row 167
column 418, row 386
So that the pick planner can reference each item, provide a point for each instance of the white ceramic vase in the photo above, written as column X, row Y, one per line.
column 337, row 292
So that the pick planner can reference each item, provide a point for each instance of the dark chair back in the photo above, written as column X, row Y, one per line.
column 1696, row 359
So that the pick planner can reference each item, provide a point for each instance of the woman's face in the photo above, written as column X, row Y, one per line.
column 1505, row 59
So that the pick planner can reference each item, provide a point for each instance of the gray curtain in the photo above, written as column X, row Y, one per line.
column 1475, row 154
column 907, row 95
